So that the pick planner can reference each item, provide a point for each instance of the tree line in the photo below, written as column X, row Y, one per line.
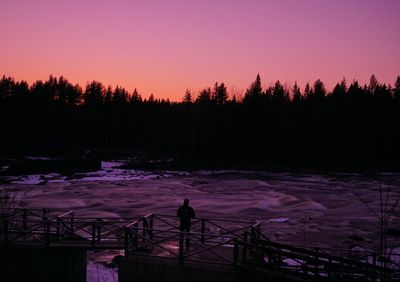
column 353, row 126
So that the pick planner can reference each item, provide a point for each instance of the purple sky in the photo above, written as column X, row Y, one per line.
column 164, row 47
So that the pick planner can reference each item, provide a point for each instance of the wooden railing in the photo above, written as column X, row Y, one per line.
column 217, row 241
column 316, row 263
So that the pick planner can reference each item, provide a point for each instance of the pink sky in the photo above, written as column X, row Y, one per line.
column 164, row 47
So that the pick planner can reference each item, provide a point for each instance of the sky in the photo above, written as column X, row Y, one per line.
column 167, row 46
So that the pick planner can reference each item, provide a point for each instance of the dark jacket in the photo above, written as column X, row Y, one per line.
column 186, row 213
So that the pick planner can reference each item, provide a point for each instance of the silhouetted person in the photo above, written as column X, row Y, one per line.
column 185, row 213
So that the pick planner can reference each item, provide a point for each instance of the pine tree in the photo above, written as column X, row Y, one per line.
column 373, row 84
column 279, row 94
column 254, row 92
column 204, row 96
column 187, row 98
column 94, row 94
column 319, row 90
column 308, row 91
column 296, row 93
column 397, row 89
column 135, row 97
column 108, row 96
column 220, row 94
column 151, row 98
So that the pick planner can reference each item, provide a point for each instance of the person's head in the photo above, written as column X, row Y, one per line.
column 186, row 202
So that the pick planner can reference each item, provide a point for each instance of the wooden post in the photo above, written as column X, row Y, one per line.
column 145, row 227
column 6, row 232
column 46, row 234
column 98, row 229
column 45, row 212
column 151, row 226
column 135, row 236
column 58, row 223
column 235, row 252
column 244, row 246
column 94, row 226
column 329, row 269
column 203, row 227
column 374, row 263
column 252, row 240
column 126, row 241
column 25, row 219
column 181, row 238
column 72, row 223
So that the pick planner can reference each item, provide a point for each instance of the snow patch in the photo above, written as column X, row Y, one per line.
column 279, row 220
column 110, row 164
column 35, row 179
column 97, row 272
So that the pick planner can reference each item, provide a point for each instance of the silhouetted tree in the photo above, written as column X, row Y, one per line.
column 254, row 92
column 120, row 96
column 108, row 95
column 397, row 89
column 280, row 95
column 373, row 83
column 204, row 96
column 296, row 93
column 6, row 87
column 21, row 92
column 135, row 97
column 68, row 94
column 94, row 94
column 351, row 127
column 219, row 94
column 339, row 91
column 319, row 90
column 307, row 91
column 187, row 98
column 152, row 99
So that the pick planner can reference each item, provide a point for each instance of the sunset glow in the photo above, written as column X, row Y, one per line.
column 165, row 47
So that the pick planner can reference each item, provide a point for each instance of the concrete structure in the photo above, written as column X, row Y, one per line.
column 42, row 264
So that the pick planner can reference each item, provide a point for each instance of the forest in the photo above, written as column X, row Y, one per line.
column 352, row 127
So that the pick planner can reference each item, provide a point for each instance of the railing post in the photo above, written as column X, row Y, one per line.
column 374, row 263
column 6, row 232
column 45, row 212
column 252, row 240
column 235, row 252
column 151, row 226
column 135, row 236
column 203, row 227
column 94, row 226
column 98, row 229
column 328, row 274
column 46, row 227
column 145, row 227
column 72, row 223
column 244, row 246
column 181, row 238
column 58, row 223
column 305, row 271
column 126, row 241
column 25, row 219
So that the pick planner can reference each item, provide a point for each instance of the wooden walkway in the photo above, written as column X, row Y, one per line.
column 228, row 243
